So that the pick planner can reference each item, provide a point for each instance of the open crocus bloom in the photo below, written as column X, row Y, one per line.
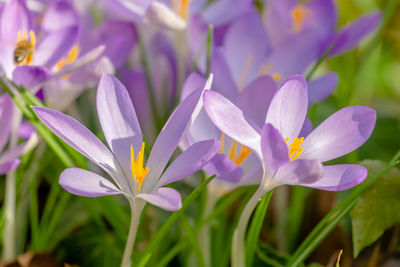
column 125, row 162
column 288, row 157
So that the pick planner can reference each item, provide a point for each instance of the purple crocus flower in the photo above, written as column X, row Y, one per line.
column 125, row 163
column 286, row 156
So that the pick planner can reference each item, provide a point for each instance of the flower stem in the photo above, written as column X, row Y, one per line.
column 136, row 210
column 238, row 242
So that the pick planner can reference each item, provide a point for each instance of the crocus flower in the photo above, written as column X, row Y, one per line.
column 286, row 156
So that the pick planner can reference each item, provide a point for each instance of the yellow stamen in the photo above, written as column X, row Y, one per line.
column 24, row 35
column 184, row 8
column 33, row 38
column 295, row 147
column 222, row 138
column 245, row 71
column 299, row 14
column 232, row 153
column 18, row 36
column 276, row 76
column 70, row 58
column 138, row 172
column 244, row 153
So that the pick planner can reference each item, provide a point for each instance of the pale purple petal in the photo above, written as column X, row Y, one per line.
column 6, row 111
column 193, row 82
column 288, row 107
column 130, row 10
column 224, row 168
column 254, row 100
column 231, row 120
column 231, row 10
column 30, row 76
column 25, row 130
column 13, row 153
column 14, row 17
column 118, row 120
column 197, row 36
column 8, row 166
column 190, row 161
column 80, row 138
column 274, row 149
column 169, row 137
column 341, row 133
column 164, row 197
column 60, row 14
column 299, row 171
column 246, row 46
column 321, row 88
column 340, row 177
column 54, row 46
column 351, row 35
column 306, row 129
column 85, row 183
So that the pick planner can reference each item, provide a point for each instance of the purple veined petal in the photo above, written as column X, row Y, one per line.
column 169, row 138
column 59, row 15
column 6, row 111
column 119, row 44
column 224, row 168
column 339, row 177
column 323, row 16
column 190, row 161
column 230, row 8
column 129, row 9
column 200, row 103
column 273, row 147
column 246, row 46
column 321, row 88
column 193, row 82
column 306, row 129
column 30, row 76
column 81, row 139
column 253, row 171
column 15, row 17
column 197, row 36
column 223, row 82
column 164, row 197
column 135, row 82
column 85, row 183
column 118, row 120
column 8, row 166
column 299, row 171
column 349, row 36
column 277, row 19
column 54, row 46
column 288, row 107
column 254, row 100
column 231, row 120
column 341, row 133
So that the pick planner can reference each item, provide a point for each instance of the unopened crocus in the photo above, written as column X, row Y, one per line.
column 138, row 180
column 286, row 156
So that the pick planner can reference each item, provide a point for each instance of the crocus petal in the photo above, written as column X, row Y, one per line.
column 30, row 76
column 341, row 133
column 319, row 89
column 15, row 17
column 54, row 46
column 349, row 37
column 6, row 111
column 60, row 14
column 81, row 139
column 8, row 166
column 224, row 168
column 85, row 183
column 129, row 9
column 307, row 128
column 299, row 171
column 255, row 99
column 230, row 8
column 193, row 82
column 340, row 177
column 164, row 197
column 190, row 161
column 274, row 149
column 160, row 15
column 231, row 120
column 169, row 138
column 288, row 108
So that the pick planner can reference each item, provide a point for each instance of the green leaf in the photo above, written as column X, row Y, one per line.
column 375, row 210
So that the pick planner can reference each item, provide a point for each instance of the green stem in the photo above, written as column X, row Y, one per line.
column 333, row 218
column 209, row 45
column 191, row 235
column 136, row 210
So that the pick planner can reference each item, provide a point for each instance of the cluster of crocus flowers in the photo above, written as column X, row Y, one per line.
column 287, row 157
column 139, row 182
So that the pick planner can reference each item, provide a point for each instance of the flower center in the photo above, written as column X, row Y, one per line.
column 299, row 13
column 71, row 57
column 244, row 151
column 23, row 52
column 181, row 7
column 138, row 172
column 295, row 147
